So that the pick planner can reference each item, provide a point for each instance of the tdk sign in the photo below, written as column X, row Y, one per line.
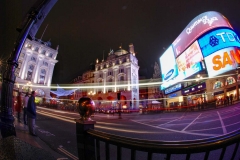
column 217, row 40
column 169, row 74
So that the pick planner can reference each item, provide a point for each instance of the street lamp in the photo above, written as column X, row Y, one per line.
column 29, row 27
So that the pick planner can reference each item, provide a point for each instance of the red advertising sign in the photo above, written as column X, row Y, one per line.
column 197, row 27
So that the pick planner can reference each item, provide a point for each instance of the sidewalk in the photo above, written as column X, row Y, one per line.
column 32, row 143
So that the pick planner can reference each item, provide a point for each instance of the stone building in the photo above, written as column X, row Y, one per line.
column 35, row 67
column 118, row 73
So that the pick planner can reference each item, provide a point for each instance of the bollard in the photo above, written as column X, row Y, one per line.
column 85, row 143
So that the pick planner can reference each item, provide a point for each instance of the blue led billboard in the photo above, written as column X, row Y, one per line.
column 217, row 40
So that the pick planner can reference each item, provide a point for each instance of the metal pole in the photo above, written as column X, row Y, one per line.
column 7, row 119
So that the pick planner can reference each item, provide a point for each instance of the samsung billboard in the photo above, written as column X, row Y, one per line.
column 168, row 65
column 187, row 64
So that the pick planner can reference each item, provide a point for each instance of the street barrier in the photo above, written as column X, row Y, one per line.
column 226, row 145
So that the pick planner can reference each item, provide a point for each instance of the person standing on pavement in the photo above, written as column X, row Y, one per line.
column 19, row 106
column 31, row 114
column 25, row 103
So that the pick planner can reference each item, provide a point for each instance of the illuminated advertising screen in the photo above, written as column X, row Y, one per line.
column 168, row 65
column 189, row 62
column 197, row 27
column 218, row 39
column 222, row 61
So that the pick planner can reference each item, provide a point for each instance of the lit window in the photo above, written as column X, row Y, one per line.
column 30, row 72
column 42, row 76
column 230, row 80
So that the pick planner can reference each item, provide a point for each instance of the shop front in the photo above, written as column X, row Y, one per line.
column 228, row 87
column 195, row 94
column 173, row 96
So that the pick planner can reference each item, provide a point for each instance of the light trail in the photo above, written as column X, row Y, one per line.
column 68, row 119
column 90, row 86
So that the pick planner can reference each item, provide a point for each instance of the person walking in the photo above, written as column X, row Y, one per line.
column 19, row 106
column 31, row 114
column 25, row 103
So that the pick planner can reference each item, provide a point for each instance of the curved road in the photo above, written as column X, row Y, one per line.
column 57, row 128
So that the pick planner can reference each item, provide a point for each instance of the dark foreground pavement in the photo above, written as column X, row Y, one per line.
column 25, row 146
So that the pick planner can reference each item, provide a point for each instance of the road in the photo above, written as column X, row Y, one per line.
column 57, row 128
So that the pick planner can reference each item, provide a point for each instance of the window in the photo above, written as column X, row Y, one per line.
column 217, row 85
column 121, row 70
column 33, row 59
column 43, row 52
column 45, row 63
column 42, row 76
column 110, row 73
column 30, row 72
column 122, row 78
column 50, row 55
column 36, row 49
column 230, row 80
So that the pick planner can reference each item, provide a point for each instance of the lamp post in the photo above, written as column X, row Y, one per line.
column 119, row 107
column 29, row 27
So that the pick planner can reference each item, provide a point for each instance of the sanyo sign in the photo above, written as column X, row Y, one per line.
column 222, row 61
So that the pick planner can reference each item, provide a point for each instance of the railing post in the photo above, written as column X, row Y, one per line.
column 85, row 143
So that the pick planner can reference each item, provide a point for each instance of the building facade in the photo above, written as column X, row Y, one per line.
column 117, row 74
column 204, row 63
column 35, row 67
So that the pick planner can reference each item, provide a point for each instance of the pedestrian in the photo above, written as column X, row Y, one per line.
column 25, row 103
column 19, row 106
column 227, row 99
column 231, row 98
column 31, row 114
column 198, row 105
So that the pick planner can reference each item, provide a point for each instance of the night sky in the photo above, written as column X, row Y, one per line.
column 87, row 29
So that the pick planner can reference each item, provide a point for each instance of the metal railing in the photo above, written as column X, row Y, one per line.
column 167, row 148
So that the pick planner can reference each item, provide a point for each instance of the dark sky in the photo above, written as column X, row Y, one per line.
column 85, row 29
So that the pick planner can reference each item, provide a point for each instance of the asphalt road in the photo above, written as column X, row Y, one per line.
column 57, row 128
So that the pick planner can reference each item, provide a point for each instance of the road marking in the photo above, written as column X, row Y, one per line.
column 223, row 126
column 191, row 123
column 46, row 132
column 170, row 121
column 68, row 153
column 184, row 132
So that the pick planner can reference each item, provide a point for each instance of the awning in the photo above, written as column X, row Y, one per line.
column 155, row 102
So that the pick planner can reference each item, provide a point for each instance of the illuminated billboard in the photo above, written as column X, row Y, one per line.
column 218, row 39
column 197, row 27
column 189, row 62
column 222, row 61
column 168, row 65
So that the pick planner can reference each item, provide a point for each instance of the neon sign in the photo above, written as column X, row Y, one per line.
column 204, row 20
column 218, row 39
column 197, row 27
